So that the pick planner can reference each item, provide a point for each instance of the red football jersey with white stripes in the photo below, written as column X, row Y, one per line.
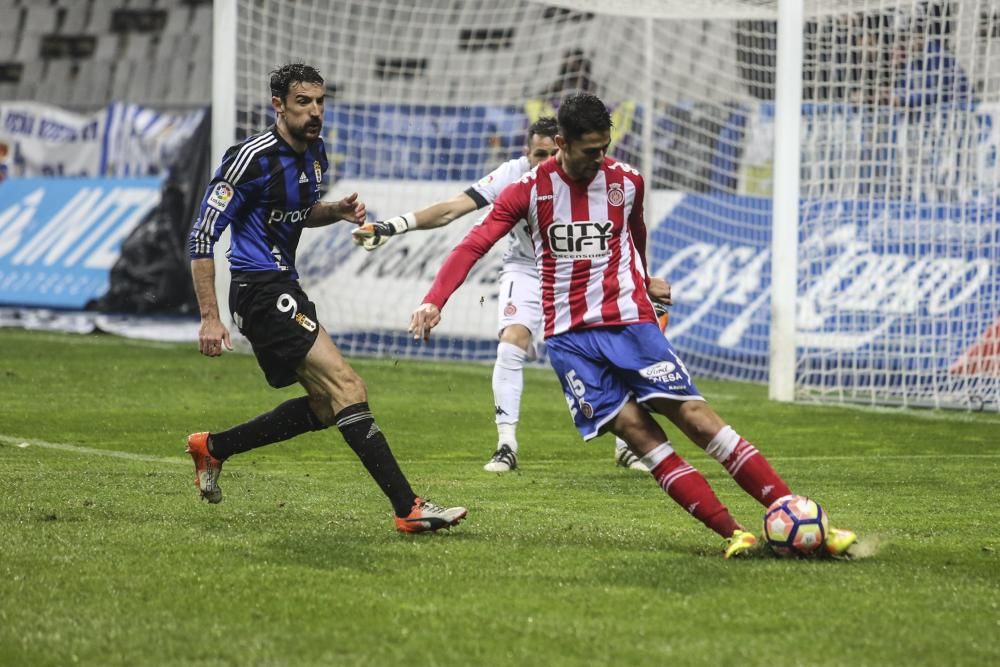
column 590, row 245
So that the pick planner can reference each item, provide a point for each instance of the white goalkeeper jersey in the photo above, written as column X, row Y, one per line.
column 520, row 252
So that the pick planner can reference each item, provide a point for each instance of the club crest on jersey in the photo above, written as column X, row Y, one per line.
column 584, row 239
column 305, row 322
column 616, row 196
column 510, row 310
column 318, row 170
column 220, row 196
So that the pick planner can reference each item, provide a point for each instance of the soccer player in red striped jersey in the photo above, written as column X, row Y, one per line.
column 519, row 317
column 584, row 213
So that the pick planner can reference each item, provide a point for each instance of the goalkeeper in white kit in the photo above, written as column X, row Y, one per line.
column 518, row 303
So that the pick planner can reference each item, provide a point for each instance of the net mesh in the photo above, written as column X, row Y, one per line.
column 898, row 295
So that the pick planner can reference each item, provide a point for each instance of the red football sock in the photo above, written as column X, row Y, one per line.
column 752, row 472
column 691, row 491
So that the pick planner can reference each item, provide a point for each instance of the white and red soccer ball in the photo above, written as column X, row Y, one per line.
column 795, row 526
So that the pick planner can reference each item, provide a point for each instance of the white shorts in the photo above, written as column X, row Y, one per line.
column 519, row 302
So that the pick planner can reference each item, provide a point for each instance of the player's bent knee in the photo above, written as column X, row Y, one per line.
column 331, row 391
column 639, row 430
column 518, row 335
column 700, row 422
column 349, row 389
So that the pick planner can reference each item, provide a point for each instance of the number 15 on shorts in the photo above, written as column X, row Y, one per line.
column 579, row 391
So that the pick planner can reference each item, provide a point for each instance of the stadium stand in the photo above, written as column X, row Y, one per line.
column 105, row 41
column 89, row 52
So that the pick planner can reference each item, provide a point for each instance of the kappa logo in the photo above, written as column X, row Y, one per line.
column 616, row 196
column 220, row 197
column 627, row 168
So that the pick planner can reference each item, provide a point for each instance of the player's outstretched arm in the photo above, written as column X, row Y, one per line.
column 376, row 234
column 328, row 212
column 423, row 319
column 456, row 267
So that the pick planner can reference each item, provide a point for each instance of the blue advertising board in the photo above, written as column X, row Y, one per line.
column 59, row 238
column 900, row 288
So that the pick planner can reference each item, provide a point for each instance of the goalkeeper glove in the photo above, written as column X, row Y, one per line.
column 371, row 235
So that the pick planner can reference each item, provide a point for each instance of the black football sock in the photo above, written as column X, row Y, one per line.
column 288, row 420
column 363, row 435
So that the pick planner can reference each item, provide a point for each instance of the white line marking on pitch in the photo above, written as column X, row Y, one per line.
column 24, row 443
column 962, row 416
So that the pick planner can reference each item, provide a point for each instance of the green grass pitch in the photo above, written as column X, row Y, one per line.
column 107, row 556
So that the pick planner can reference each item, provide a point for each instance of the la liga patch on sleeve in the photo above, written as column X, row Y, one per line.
column 220, row 196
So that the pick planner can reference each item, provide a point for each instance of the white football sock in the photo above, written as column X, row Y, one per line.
column 656, row 456
column 507, row 435
column 508, row 384
column 723, row 444
column 620, row 444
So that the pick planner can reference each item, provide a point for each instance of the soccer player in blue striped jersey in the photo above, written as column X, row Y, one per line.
column 266, row 191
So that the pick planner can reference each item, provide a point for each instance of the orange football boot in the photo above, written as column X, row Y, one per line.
column 206, row 467
column 426, row 516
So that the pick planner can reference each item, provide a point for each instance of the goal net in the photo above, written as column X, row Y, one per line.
column 898, row 289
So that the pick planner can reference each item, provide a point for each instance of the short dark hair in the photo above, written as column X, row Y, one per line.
column 546, row 126
column 283, row 78
column 582, row 113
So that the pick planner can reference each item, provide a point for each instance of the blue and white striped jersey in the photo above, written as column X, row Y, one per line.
column 263, row 191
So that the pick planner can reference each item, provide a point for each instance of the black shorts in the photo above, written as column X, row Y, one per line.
column 280, row 322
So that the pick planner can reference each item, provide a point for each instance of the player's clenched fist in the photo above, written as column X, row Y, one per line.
column 423, row 319
column 659, row 291
column 212, row 336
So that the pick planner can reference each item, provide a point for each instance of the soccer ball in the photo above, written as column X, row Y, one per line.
column 795, row 526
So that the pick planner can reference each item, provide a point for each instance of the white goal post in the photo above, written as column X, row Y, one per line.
column 821, row 175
